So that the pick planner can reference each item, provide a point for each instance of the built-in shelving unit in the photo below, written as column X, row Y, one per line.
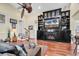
column 54, row 25
column 40, row 27
column 65, row 20
column 65, row 26
column 51, row 24
column 40, row 22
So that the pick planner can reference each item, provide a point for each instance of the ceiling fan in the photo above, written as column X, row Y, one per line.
column 26, row 7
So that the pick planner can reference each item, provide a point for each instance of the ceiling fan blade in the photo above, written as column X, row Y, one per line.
column 22, row 5
column 22, row 14
column 28, row 8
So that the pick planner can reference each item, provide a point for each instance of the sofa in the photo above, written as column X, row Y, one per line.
column 9, row 49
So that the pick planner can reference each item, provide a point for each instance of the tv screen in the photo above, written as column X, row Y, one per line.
column 51, row 21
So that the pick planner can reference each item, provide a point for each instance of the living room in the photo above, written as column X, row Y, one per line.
column 39, row 29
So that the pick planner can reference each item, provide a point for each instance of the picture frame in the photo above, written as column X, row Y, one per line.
column 13, row 21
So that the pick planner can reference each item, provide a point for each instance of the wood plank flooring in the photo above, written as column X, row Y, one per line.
column 56, row 48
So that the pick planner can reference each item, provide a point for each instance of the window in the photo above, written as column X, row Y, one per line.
column 2, row 18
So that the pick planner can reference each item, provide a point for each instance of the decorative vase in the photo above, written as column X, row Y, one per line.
column 14, row 39
column 8, row 39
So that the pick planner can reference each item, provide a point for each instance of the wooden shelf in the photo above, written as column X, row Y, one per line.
column 49, row 18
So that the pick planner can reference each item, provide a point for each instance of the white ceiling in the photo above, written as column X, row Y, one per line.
column 40, row 7
column 48, row 6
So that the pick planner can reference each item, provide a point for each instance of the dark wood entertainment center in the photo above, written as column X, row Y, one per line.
column 54, row 25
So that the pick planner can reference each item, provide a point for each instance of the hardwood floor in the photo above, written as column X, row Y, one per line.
column 56, row 48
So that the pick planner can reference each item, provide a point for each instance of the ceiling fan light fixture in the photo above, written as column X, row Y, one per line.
column 25, row 6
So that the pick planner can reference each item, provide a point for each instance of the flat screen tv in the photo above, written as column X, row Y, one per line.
column 52, row 22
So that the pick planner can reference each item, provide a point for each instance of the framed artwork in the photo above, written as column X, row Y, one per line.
column 2, row 18
column 13, row 22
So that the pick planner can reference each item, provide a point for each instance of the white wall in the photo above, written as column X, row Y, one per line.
column 32, row 20
column 10, row 12
column 74, row 18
